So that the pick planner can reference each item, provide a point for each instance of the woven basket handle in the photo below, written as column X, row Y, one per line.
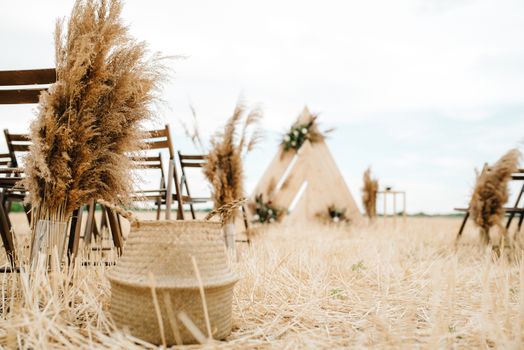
column 125, row 213
column 226, row 210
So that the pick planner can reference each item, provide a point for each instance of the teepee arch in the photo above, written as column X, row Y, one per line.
column 306, row 182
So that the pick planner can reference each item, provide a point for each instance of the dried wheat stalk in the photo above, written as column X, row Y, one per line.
column 369, row 194
column 491, row 193
column 91, row 117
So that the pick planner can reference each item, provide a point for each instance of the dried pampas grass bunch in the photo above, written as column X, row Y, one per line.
column 369, row 194
column 91, row 117
column 491, row 193
column 224, row 168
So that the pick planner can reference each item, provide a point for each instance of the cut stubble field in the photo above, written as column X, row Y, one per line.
column 400, row 284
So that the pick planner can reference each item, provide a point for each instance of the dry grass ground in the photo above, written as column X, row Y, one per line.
column 385, row 285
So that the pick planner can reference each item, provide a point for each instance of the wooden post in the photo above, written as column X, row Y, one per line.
column 385, row 196
column 394, row 207
column 404, row 205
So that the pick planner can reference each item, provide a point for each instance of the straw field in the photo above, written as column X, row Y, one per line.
column 394, row 285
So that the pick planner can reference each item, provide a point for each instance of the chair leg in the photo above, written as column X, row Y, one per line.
column 180, row 208
column 183, row 183
column 116, row 230
column 158, row 208
column 7, row 236
column 27, row 209
column 463, row 225
column 88, row 232
column 119, row 224
column 169, row 190
column 74, row 235
column 512, row 215
column 103, row 222
column 173, row 177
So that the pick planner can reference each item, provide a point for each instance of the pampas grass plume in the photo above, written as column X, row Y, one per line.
column 91, row 118
column 369, row 194
column 491, row 193
column 224, row 168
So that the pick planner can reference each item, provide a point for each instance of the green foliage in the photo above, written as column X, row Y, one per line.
column 336, row 293
column 17, row 207
column 358, row 266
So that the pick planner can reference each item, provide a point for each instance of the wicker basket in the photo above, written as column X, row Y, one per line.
column 164, row 249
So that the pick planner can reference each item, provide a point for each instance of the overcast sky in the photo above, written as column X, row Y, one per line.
column 424, row 91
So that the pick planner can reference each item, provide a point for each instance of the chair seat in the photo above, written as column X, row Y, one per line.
column 196, row 200
column 461, row 209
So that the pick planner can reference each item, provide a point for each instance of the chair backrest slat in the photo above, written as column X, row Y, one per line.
column 146, row 159
column 192, row 156
column 27, row 77
column 192, row 160
column 160, row 139
column 16, row 143
column 18, row 78
column 20, row 137
column 17, row 97
column 157, row 144
column 21, row 148
column 5, row 160
column 151, row 134
column 191, row 165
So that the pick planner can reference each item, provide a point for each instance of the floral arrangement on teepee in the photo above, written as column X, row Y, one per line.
column 337, row 214
column 369, row 194
column 491, row 193
column 91, row 118
column 333, row 214
column 300, row 133
column 265, row 212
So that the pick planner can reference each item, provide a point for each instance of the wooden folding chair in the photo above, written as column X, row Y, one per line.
column 517, row 209
column 155, row 140
column 191, row 161
column 14, row 93
column 198, row 161
column 18, row 146
column 158, row 140
column 6, row 229
column 511, row 212
column 19, row 143
column 110, row 220
column 158, row 196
